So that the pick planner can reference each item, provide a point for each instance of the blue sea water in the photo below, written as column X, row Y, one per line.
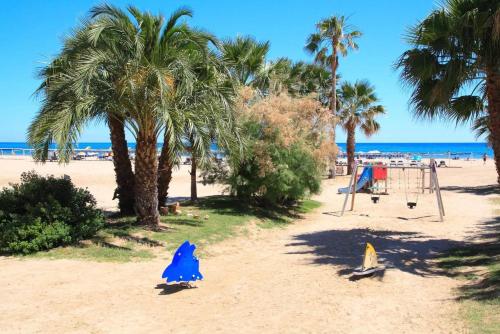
column 474, row 150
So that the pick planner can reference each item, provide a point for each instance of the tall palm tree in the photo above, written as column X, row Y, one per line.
column 333, row 36
column 454, row 65
column 358, row 109
column 158, row 71
column 59, row 96
column 207, row 114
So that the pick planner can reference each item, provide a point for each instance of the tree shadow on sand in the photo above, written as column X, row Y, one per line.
column 414, row 253
column 490, row 189
column 470, row 262
column 407, row 251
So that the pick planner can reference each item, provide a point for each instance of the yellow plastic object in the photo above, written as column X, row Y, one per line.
column 370, row 260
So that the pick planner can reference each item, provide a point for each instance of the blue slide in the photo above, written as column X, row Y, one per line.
column 364, row 178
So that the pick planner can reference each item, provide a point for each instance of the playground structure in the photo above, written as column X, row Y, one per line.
column 376, row 178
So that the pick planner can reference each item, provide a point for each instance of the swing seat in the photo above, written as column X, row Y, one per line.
column 375, row 199
column 411, row 205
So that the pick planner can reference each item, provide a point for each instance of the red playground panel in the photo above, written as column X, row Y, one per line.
column 379, row 173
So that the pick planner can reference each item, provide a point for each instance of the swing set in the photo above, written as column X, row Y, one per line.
column 410, row 178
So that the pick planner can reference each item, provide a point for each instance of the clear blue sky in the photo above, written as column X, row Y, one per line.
column 32, row 32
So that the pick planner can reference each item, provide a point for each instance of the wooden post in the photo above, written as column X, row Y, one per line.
column 431, row 179
column 354, row 188
column 353, row 175
column 422, row 171
column 438, row 192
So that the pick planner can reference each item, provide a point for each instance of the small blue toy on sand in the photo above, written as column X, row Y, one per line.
column 185, row 267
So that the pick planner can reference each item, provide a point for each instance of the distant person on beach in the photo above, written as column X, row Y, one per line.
column 485, row 157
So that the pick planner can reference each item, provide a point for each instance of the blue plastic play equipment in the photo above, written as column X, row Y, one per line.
column 363, row 180
column 185, row 267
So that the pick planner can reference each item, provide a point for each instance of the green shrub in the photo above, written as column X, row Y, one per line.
column 273, row 172
column 45, row 212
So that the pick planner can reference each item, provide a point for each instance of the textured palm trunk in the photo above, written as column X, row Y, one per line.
column 164, row 173
column 194, row 189
column 351, row 148
column 333, row 107
column 123, row 167
column 146, row 178
column 493, row 93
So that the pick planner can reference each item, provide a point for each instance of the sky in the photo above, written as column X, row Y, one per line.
column 32, row 31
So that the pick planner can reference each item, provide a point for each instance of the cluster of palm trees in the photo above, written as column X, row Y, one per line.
column 163, row 80
column 135, row 71
column 354, row 105
column 156, row 78
column 454, row 66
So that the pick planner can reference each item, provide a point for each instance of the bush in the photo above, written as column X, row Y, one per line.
column 45, row 212
column 274, row 173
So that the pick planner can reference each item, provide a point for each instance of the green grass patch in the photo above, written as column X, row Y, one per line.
column 210, row 220
column 479, row 266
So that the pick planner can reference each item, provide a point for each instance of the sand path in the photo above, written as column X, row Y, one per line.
column 292, row 280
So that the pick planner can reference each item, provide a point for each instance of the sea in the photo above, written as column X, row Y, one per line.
column 461, row 150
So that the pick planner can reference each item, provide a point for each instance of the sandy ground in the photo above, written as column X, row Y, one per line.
column 293, row 280
column 97, row 176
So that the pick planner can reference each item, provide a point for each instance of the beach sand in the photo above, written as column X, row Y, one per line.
column 291, row 280
column 97, row 176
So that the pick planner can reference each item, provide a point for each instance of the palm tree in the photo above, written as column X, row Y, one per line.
column 481, row 128
column 58, row 93
column 157, row 71
column 207, row 116
column 454, row 65
column 358, row 109
column 142, row 60
column 246, row 58
column 333, row 36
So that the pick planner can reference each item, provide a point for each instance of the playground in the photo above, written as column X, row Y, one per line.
column 298, row 274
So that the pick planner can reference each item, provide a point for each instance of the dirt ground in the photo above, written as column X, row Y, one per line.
column 291, row 280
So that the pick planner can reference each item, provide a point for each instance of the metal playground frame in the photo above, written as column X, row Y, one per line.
column 433, row 184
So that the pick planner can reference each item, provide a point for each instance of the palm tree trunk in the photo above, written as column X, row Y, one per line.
column 164, row 173
column 194, row 189
column 146, row 178
column 351, row 148
column 333, row 107
column 493, row 93
column 123, row 168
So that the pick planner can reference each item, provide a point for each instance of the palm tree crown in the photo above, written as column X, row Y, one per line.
column 246, row 57
column 358, row 109
column 453, row 65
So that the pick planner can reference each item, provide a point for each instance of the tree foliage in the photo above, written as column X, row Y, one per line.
column 288, row 145
column 453, row 66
